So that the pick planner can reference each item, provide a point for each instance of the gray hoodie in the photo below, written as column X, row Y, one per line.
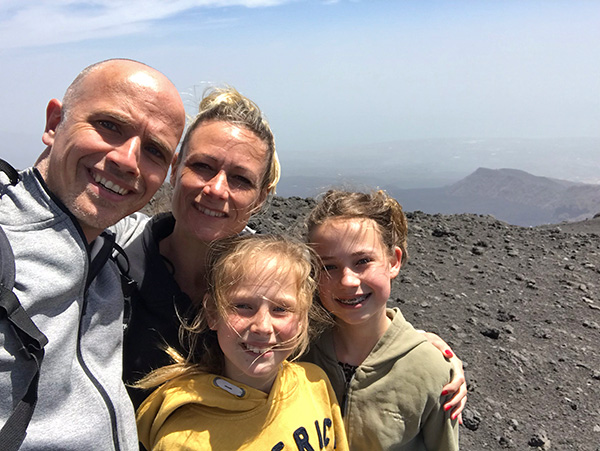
column 82, row 401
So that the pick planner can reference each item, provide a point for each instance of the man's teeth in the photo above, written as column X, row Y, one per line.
column 110, row 185
column 256, row 350
column 208, row 212
column 353, row 301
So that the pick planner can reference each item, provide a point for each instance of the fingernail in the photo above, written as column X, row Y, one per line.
column 444, row 393
column 448, row 353
column 447, row 408
column 454, row 416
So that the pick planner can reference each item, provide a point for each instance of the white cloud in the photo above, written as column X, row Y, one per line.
column 31, row 24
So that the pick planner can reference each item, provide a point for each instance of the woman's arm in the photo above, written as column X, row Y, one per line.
column 457, row 387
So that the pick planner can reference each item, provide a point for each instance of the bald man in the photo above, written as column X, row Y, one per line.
column 109, row 146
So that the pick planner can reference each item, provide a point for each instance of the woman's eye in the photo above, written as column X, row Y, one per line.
column 243, row 181
column 328, row 268
column 363, row 261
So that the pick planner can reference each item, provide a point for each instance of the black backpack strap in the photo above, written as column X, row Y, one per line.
column 32, row 342
column 128, row 284
column 12, row 173
column 100, row 252
column 105, row 247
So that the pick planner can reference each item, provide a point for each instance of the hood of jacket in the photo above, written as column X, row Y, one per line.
column 399, row 339
column 221, row 396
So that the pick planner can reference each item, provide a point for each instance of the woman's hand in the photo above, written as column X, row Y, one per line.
column 457, row 387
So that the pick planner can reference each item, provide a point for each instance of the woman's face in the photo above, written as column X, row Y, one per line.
column 217, row 186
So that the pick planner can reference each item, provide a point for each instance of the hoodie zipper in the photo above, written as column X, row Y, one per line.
column 108, row 402
column 94, row 266
column 344, row 404
column 109, row 405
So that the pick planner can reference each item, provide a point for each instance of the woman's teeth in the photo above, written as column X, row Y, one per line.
column 208, row 212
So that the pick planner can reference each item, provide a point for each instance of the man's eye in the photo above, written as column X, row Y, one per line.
column 201, row 166
column 155, row 151
column 108, row 125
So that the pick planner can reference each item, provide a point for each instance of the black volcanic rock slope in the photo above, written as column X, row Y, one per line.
column 520, row 306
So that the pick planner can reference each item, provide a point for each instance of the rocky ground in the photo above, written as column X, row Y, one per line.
column 521, row 308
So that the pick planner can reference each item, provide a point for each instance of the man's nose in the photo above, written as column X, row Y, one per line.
column 127, row 155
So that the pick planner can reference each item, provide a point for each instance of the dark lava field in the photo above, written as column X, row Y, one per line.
column 520, row 306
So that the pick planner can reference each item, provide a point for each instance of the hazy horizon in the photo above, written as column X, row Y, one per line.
column 332, row 76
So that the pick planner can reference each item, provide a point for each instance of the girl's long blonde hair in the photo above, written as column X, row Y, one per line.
column 228, row 262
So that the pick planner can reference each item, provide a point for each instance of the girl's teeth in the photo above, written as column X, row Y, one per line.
column 352, row 301
column 256, row 350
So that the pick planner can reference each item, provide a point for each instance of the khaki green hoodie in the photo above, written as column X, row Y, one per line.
column 393, row 401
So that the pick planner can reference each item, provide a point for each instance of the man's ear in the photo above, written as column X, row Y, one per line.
column 395, row 262
column 53, row 118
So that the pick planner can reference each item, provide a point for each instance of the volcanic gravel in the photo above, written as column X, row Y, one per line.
column 520, row 306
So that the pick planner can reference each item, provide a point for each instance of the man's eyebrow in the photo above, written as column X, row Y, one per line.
column 129, row 122
column 121, row 118
column 162, row 145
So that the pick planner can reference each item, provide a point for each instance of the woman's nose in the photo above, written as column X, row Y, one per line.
column 217, row 186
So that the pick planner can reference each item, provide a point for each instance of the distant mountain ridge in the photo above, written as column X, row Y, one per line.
column 510, row 184
column 511, row 195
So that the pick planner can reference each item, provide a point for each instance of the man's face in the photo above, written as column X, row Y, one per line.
column 111, row 150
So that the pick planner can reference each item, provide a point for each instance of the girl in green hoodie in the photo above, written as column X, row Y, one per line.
column 389, row 381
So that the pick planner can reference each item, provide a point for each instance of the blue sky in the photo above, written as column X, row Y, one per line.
column 328, row 74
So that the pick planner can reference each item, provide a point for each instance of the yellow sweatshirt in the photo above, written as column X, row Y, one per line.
column 209, row 412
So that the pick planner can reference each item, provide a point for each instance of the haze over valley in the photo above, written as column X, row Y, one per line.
column 520, row 181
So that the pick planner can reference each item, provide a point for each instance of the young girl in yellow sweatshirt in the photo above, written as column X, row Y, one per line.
column 238, row 389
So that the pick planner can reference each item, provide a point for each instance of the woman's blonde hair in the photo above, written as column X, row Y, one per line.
column 228, row 264
column 228, row 105
column 378, row 206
